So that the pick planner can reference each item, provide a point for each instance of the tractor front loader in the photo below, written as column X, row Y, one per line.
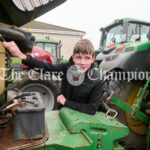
column 137, row 111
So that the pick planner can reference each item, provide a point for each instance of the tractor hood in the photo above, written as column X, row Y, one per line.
column 128, row 47
column 20, row 12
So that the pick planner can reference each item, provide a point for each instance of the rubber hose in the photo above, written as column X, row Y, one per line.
column 11, row 101
column 12, row 34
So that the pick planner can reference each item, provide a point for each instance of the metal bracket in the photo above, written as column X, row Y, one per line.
column 111, row 111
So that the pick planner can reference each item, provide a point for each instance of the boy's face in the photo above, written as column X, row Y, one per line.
column 83, row 60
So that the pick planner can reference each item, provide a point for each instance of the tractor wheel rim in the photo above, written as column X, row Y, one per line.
column 135, row 125
column 45, row 93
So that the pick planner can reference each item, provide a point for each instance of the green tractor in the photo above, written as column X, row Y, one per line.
column 24, row 123
column 124, row 58
column 52, row 47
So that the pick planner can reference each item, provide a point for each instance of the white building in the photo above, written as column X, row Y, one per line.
column 46, row 31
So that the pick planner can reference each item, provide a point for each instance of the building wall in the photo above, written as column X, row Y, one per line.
column 68, row 41
column 68, row 38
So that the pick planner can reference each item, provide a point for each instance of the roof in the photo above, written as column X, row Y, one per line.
column 37, row 26
column 135, row 20
column 19, row 12
column 128, row 20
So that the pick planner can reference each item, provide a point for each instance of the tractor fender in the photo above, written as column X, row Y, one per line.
column 135, row 61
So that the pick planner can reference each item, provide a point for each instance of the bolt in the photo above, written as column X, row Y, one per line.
column 98, row 146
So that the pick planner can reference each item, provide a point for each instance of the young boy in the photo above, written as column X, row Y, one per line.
column 80, row 90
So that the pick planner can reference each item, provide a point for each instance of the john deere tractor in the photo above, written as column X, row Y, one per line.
column 51, row 46
column 124, row 58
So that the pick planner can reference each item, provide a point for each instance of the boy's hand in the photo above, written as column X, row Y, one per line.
column 14, row 50
column 61, row 99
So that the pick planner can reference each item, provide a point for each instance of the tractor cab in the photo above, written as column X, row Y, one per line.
column 51, row 46
column 123, row 35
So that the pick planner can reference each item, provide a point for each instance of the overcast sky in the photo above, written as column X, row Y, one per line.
column 90, row 15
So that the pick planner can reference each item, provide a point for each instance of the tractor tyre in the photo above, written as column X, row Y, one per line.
column 136, row 140
column 49, row 90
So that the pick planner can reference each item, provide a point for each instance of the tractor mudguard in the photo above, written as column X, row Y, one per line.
column 135, row 61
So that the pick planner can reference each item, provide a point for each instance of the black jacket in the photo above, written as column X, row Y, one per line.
column 85, row 97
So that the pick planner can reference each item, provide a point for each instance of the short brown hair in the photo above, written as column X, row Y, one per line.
column 84, row 46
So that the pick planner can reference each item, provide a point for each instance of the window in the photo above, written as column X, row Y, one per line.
column 113, row 35
column 144, row 31
column 50, row 48
column 40, row 45
column 137, row 29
